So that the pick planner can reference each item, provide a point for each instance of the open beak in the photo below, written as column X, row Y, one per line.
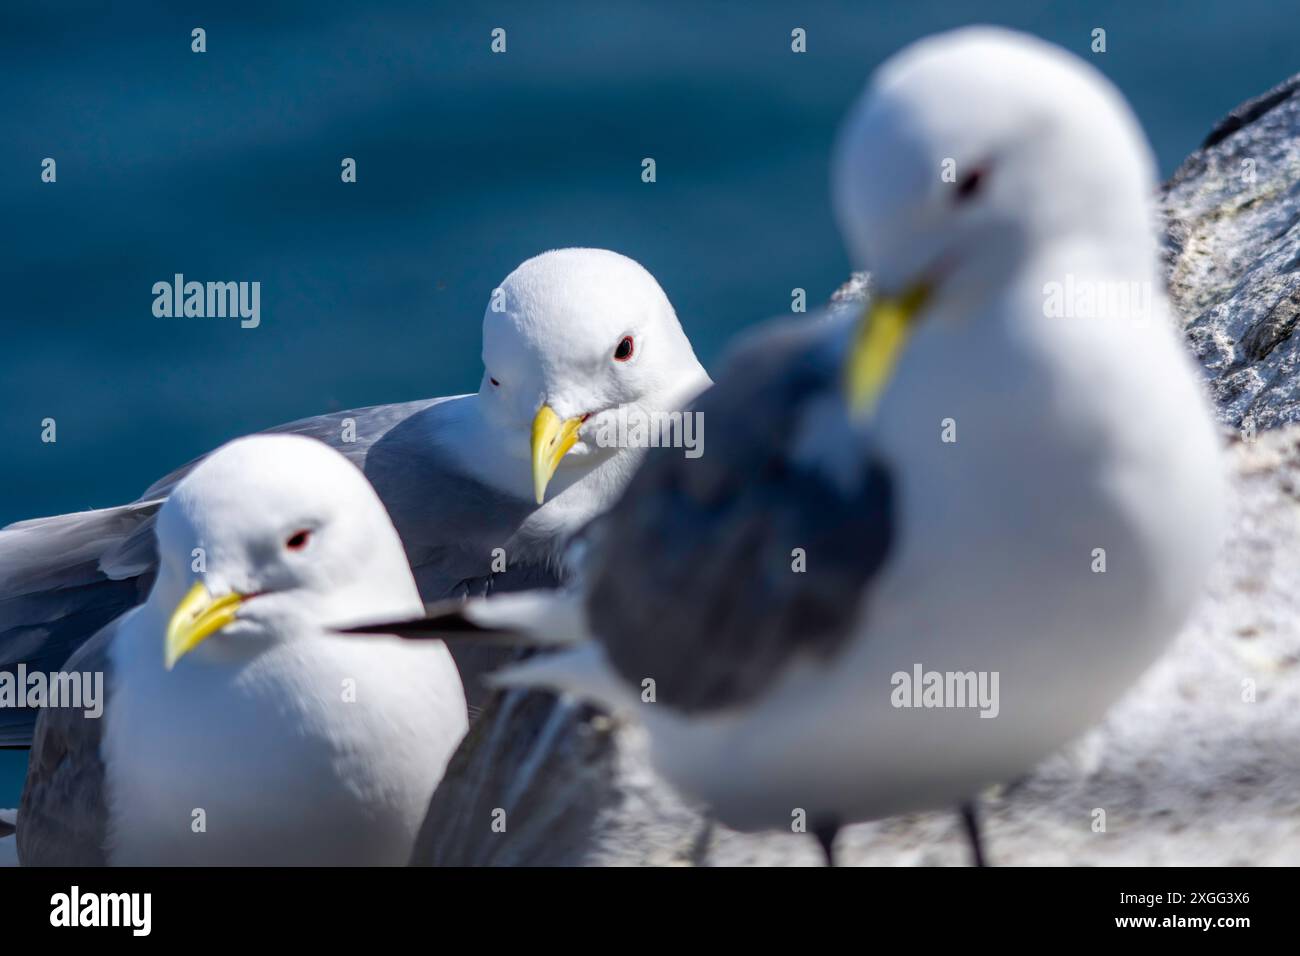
column 198, row 616
column 883, row 331
column 552, row 439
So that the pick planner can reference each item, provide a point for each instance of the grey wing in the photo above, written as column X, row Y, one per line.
column 61, row 580
column 449, row 522
column 693, row 579
column 63, row 818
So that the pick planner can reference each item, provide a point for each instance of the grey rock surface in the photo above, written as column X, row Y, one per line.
column 1198, row 764
column 1232, row 249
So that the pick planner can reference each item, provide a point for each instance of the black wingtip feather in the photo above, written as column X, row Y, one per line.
column 442, row 625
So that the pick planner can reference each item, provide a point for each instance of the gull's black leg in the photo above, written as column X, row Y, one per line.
column 699, row 852
column 970, row 819
column 825, row 832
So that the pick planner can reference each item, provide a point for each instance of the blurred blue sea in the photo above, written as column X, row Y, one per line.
column 225, row 166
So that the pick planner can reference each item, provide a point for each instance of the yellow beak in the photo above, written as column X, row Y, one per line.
column 552, row 439
column 198, row 616
column 882, row 333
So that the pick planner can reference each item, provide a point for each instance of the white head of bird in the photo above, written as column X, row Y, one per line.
column 569, row 337
column 969, row 150
column 269, row 538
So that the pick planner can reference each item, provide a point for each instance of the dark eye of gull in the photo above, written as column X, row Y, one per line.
column 970, row 184
column 298, row 540
column 624, row 350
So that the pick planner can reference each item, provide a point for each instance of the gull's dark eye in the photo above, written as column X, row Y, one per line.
column 624, row 350
column 298, row 540
column 970, row 184
column 494, row 381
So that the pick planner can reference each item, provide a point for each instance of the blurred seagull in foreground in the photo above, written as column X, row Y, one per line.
column 232, row 703
column 985, row 491
column 571, row 339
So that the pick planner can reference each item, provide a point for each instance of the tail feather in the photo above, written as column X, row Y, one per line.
column 75, row 549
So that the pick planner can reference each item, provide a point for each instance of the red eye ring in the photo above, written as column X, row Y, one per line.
column 623, row 351
column 298, row 540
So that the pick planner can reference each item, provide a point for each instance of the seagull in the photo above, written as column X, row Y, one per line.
column 959, row 482
column 239, row 728
column 483, row 488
